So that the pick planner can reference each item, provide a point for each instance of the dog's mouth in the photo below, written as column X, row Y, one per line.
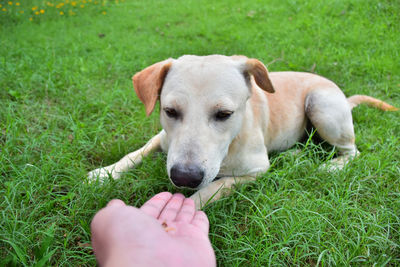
column 217, row 178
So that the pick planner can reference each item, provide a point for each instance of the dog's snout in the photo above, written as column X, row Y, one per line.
column 186, row 175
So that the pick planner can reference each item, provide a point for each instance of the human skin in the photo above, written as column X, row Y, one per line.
column 166, row 231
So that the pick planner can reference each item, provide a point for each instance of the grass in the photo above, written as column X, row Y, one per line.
column 67, row 107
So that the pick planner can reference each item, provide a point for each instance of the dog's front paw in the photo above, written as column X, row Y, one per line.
column 101, row 174
column 331, row 167
column 200, row 200
column 197, row 201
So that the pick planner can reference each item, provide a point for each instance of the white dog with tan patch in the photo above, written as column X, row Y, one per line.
column 221, row 116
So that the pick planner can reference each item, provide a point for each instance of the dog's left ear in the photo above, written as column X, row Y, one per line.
column 256, row 68
column 148, row 83
column 260, row 73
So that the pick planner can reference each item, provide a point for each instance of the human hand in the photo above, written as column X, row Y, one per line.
column 165, row 231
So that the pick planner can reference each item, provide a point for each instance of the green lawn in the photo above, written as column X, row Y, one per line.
column 67, row 106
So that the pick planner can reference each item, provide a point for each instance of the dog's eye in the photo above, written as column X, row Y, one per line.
column 223, row 115
column 171, row 112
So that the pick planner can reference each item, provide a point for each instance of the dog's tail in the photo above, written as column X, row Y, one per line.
column 355, row 100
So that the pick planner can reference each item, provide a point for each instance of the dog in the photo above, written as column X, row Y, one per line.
column 223, row 115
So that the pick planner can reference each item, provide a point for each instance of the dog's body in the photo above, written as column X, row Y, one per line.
column 221, row 116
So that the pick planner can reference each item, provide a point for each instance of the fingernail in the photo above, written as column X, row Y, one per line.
column 115, row 203
column 179, row 195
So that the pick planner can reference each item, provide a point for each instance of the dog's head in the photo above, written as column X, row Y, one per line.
column 202, row 108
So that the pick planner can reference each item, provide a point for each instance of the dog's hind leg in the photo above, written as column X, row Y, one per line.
column 330, row 113
column 127, row 162
column 217, row 189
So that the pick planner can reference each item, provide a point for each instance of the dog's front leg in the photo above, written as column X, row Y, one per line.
column 217, row 189
column 127, row 162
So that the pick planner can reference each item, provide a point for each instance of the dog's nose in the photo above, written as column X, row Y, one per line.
column 186, row 175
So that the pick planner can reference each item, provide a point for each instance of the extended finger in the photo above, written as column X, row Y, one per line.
column 172, row 208
column 200, row 220
column 186, row 213
column 156, row 204
column 115, row 203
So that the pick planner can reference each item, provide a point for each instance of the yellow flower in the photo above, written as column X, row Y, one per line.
column 4, row 9
column 34, row 8
column 67, row 1
column 1, row 5
column 42, row 11
column 84, row 1
column 103, row 12
column 17, row 3
column 10, row 3
column 73, row 3
column 61, row 13
column 30, row 19
column 82, row 6
column 21, row 11
column 37, row 13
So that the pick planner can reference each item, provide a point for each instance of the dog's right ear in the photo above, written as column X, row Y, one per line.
column 148, row 83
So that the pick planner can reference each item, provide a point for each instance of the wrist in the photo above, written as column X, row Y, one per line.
column 124, row 257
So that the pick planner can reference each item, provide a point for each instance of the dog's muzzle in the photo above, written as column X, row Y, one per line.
column 186, row 175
